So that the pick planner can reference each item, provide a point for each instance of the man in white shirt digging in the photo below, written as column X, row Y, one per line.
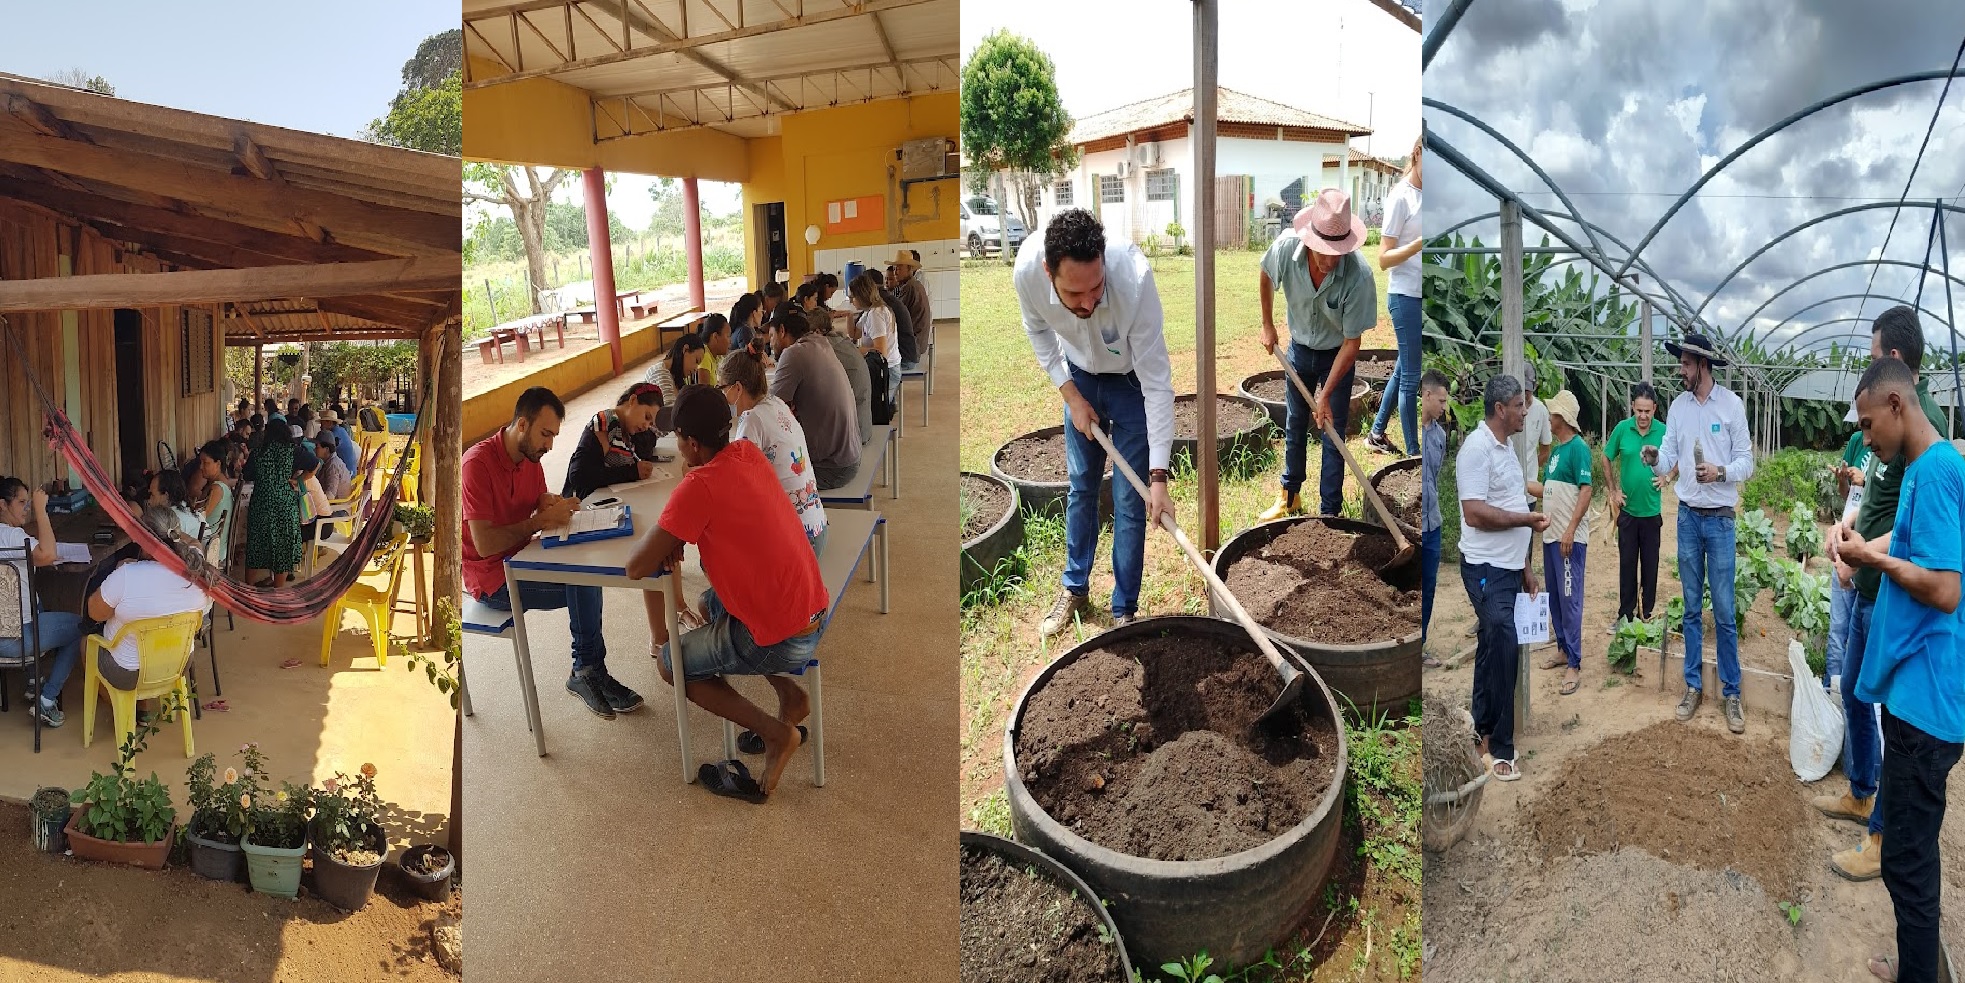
column 1093, row 316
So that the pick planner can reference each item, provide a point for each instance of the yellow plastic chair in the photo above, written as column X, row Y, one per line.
column 164, row 646
column 374, row 596
column 412, row 473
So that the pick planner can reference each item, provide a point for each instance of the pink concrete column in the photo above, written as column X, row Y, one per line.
column 692, row 240
column 606, row 310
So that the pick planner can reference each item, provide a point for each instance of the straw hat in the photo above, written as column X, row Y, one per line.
column 1563, row 404
column 904, row 258
column 1699, row 345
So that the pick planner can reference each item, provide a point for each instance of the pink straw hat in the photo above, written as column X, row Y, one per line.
column 1327, row 224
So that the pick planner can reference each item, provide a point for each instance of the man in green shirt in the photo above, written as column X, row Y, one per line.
column 1896, row 334
column 1332, row 301
column 1565, row 494
column 1635, row 500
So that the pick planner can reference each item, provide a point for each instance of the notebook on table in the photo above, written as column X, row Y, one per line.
column 589, row 525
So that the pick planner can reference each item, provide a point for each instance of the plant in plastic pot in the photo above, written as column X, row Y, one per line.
column 218, row 819
column 349, row 842
column 49, row 811
column 427, row 868
column 120, row 818
column 276, row 838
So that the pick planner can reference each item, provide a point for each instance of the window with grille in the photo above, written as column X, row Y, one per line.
column 197, row 373
column 1161, row 184
column 1111, row 190
column 1064, row 194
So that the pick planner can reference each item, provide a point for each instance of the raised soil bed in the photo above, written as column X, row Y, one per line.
column 1133, row 760
column 1312, row 583
column 1399, row 484
column 1267, row 389
column 1241, row 426
column 1027, row 919
column 1035, row 464
column 992, row 528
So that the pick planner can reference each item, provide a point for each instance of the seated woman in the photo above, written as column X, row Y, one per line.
column 313, row 498
column 678, row 368
column 24, row 527
column 766, row 605
column 765, row 420
column 167, row 491
column 619, row 447
column 746, row 317
column 139, row 588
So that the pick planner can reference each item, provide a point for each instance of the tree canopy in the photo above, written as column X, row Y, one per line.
column 428, row 112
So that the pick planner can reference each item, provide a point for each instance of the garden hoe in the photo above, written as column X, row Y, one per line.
column 1293, row 677
column 1406, row 550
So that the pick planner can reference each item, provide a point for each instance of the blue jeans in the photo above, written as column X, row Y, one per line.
column 1402, row 392
column 724, row 647
column 1705, row 558
column 61, row 634
column 1566, row 598
column 1121, row 409
column 1429, row 578
column 1862, row 743
column 582, row 606
column 1841, row 603
column 1314, row 365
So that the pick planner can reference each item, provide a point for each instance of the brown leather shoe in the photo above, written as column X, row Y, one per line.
column 1845, row 806
column 1864, row 863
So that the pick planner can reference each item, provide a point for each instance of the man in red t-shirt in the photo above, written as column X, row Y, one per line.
column 766, row 605
column 505, row 505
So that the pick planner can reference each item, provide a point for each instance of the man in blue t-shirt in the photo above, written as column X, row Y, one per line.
column 1916, row 670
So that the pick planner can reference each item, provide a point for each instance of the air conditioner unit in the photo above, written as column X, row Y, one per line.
column 1125, row 169
column 1149, row 154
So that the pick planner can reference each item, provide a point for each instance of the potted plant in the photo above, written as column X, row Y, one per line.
column 427, row 868
column 119, row 818
column 276, row 838
column 218, row 813
column 418, row 522
column 349, row 842
column 48, row 813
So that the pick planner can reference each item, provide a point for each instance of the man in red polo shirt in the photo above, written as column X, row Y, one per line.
column 766, row 605
column 505, row 505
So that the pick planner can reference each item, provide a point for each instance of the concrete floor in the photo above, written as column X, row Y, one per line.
column 596, row 862
column 310, row 722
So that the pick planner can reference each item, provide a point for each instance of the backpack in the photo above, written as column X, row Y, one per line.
column 880, row 380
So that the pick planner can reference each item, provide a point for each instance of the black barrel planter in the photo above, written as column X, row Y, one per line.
column 1361, row 398
column 431, row 886
column 1376, row 365
column 982, row 555
column 1371, row 514
column 1250, row 439
column 1380, row 674
column 1236, row 907
column 1040, row 496
column 1012, row 850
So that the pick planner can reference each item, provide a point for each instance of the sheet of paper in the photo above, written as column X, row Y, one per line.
column 72, row 553
column 594, row 520
column 852, row 208
column 832, row 213
column 1532, row 618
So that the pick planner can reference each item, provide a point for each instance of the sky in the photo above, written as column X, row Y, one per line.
column 1109, row 54
column 1624, row 103
column 325, row 68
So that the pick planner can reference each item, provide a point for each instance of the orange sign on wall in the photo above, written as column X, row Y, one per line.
column 856, row 215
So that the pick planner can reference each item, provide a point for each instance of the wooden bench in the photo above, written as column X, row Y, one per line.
column 494, row 344
column 881, row 455
column 587, row 314
column 679, row 325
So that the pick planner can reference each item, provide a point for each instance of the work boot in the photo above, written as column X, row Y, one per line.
column 1060, row 618
column 1864, row 863
column 1287, row 504
column 1689, row 705
column 1845, row 806
column 1736, row 719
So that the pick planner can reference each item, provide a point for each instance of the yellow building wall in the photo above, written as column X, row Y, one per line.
column 549, row 124
column 850, row 152
column 766, row 185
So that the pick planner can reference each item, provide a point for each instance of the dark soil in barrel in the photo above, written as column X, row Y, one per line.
column 1687, row 795
column 1038, row 459
column 1231, row 417
column 1375, row 371
column 983, row 502
column 1020, row 926
column 1315, row 582
column 1401, row 492
column 1272, row 389
column 1147, row 747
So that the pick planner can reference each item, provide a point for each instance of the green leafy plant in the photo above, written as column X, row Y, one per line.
column 418, row 521
column 1792, row 911
column 1755, row 531
column 122, row 808
column 216, row 798
column 346, row 809
column 1791, row 475
column 441, row 668
column 1193, row 969
column 278, row 819
column 1804, row 537
column 1630, row 636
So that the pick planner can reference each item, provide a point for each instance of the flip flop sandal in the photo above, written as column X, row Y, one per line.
column 1554, row 660
column 731, row 780
column 1513, row 772
column 1569, row 686
column 291, row 664
column 1883, row 967
column 217, row 706
column 1430, row 662
column 749, row 743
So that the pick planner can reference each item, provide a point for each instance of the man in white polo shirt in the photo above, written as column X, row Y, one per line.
column 1497, row 531
column 1093, row 316
column 1709, row 432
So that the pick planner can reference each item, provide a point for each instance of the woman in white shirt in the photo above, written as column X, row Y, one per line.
column 767, row 422
column 1398, row 253
column 60, row 632
column 678, row 368
column 139, row 588
column 875, row 327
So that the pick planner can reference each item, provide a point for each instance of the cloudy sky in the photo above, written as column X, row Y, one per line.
column 1626, row 102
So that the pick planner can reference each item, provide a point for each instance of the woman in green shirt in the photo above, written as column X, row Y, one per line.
column 1565, row 495
column 1635, row 500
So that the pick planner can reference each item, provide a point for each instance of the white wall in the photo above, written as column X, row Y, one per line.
column 1368, row 188
column 940, row 268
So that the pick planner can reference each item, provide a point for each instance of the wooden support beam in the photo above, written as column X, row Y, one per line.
column 261, row 204
column 109, row 290
column 40, row 120
column 85, row 206
column 254, row 159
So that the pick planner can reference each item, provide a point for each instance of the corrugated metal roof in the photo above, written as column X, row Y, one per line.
column 1230, row 107
column 1840, row 385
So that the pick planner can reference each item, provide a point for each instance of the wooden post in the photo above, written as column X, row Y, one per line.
column 1511, row 362
column 443, row 458
column 258, row 374
column 607, row 313
column 1206, row 70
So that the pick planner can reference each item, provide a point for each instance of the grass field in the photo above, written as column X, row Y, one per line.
column 1005, row 394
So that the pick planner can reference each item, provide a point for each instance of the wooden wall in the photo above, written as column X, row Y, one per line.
column 31, row 242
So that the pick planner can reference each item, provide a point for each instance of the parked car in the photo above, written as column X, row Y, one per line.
column 982, row 227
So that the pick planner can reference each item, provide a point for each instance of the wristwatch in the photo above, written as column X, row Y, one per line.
column 1157, row 474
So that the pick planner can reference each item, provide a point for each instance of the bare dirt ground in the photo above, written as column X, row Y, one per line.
column 718, row 295
column 1503, row 905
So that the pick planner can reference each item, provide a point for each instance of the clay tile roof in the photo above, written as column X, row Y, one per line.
column 1230, row 107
